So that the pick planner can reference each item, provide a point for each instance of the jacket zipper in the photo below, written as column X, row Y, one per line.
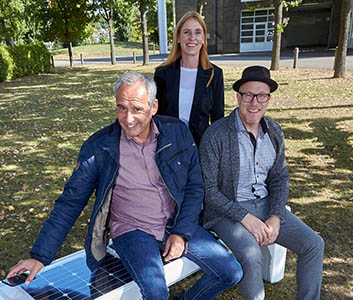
column 105, row 193
column 170, row 194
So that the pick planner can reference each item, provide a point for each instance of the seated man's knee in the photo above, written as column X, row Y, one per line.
column 318, row 244
column 314, row 245
column 233, row 272
column 251, row 256
column 236, row 273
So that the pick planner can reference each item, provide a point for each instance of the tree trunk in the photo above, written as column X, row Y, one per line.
column 199, row 6
column 111, row 39
column 70, row 53
column 340, row 60
column 276, row 46
column 146, row 59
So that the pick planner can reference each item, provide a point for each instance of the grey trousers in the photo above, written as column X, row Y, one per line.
column 294, row 235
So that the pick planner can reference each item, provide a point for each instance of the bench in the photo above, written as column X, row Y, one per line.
column 68, row 278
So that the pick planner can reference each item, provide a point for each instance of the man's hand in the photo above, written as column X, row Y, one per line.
column 32, row 265
column 174, row 247
column 257, row 228
column 274, row 223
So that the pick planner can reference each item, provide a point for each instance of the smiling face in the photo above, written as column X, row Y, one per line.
column 191, row 38
column 133, row 110
column 251, row 113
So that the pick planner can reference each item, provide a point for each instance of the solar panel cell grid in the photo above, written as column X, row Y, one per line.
column 72, row 280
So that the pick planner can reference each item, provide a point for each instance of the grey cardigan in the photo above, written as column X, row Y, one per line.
column 219, row 155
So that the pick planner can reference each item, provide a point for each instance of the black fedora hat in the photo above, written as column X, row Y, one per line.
column 256, row 73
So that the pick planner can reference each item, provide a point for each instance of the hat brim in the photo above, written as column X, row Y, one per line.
column 271, row 83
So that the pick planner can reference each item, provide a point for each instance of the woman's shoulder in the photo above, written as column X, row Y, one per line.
column 164, row 67
column 217, row 69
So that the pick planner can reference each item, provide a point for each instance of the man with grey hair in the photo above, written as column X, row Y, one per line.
column 149, row 191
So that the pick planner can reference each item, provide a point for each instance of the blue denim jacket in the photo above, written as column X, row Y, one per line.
column 98, row 165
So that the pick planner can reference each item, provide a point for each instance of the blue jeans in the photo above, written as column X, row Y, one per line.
column 294, row 235
column 140, row 253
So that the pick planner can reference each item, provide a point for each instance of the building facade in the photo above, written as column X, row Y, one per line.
column 248, row 25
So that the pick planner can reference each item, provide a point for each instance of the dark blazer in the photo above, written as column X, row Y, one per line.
column 208, row 102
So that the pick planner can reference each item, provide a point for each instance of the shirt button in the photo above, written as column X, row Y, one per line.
column 178, row 163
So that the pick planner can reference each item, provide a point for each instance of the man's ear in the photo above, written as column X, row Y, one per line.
column 155, row 106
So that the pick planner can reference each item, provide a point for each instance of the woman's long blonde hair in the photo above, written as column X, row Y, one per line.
column 175, row 53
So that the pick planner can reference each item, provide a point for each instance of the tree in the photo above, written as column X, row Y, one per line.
column 124, row 17
column 146, row 59
column 340, row 59
column 66, row 20
column 144, row 6
column 106, row 10
column 12, row 24
column 279, row 28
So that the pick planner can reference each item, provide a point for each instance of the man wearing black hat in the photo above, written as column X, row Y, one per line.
column 247, row 184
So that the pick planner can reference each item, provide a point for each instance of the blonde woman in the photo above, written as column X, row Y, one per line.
column 189, row 86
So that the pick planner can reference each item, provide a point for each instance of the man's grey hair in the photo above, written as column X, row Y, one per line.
column 130, row 78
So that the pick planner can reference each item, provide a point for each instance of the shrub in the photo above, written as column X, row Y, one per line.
column 6, row 64
column 30, row 59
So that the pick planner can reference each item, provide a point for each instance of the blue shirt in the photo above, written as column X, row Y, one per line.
column 256, row 159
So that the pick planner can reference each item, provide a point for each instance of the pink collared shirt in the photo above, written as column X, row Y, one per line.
column 140, row 199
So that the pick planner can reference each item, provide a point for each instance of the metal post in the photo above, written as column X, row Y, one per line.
column 296, row 57
column 81, row 57
column 162, row 26
column 174, row 15
column 134, row 57
column 52, row 61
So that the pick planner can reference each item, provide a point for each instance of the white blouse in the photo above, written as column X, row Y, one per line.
column 186, row 92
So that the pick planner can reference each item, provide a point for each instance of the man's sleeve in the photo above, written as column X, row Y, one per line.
column 217, row 202
column 278, row 180
column 67, row 208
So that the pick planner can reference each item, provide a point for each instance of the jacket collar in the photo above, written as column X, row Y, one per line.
column 111, row 141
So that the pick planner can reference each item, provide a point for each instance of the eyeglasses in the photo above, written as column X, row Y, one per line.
column 262, row 98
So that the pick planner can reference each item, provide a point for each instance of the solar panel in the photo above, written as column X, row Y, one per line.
column 69, row 278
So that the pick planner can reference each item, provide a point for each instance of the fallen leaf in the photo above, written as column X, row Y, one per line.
column 10, row 208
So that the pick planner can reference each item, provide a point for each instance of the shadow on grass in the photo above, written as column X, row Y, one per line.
column 45, row 118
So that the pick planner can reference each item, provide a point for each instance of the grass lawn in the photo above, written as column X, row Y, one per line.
column 101, row 50
column 45, row 118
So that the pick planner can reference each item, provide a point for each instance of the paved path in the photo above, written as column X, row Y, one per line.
column 312, row 59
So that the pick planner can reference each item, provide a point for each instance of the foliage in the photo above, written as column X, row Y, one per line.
column 125, row 20
column 45, row 118
column 12, row 23
column 20, row 21
column 66, row 20
column 6, row 64
column 24, row 60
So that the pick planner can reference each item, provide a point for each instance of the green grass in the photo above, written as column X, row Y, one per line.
column 45, row 118
column 102, row 50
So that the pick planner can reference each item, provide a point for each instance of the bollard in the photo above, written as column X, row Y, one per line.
column 134, row 57
column 335, row 62
column 81, row 57
column 52, row 61
column 296, row 57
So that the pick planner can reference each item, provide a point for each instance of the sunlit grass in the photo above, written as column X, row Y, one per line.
column 44, row 120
